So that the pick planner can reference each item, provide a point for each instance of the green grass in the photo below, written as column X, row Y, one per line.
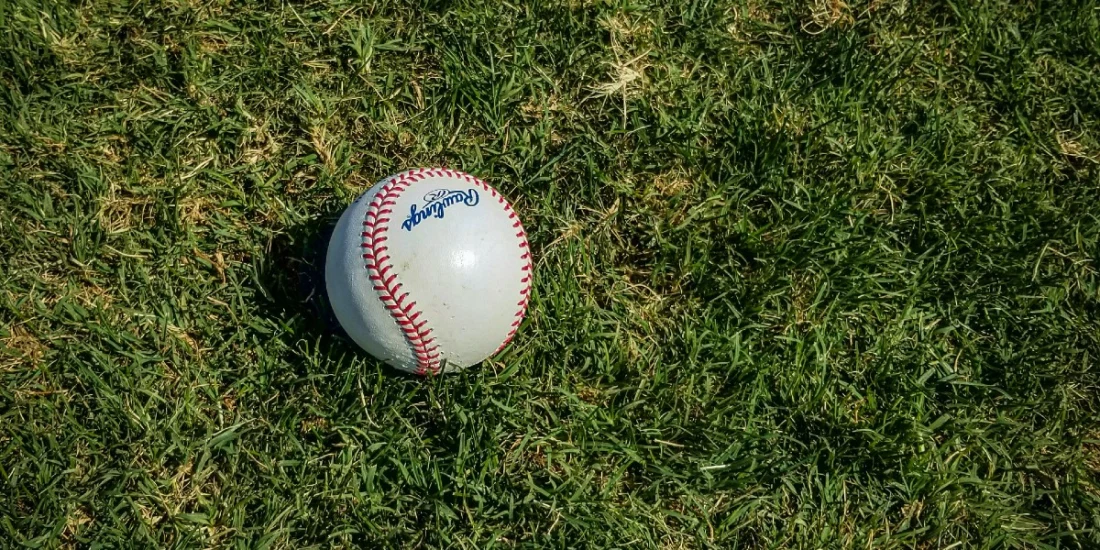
column 809, row 274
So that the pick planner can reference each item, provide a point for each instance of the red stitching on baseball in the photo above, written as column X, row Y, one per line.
column 525, row 248
column 378, row 269
column 426, row 352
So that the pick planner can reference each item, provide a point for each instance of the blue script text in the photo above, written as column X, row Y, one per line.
column 437, row 203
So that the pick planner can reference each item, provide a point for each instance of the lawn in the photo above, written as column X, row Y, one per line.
column 808, row 274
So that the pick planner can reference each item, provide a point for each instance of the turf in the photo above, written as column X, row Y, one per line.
column 809, row 274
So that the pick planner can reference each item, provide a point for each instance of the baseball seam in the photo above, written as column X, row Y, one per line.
column 380, row 271
column 384, row 280
column 525, row 255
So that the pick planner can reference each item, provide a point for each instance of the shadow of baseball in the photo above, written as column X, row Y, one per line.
column 291, row 276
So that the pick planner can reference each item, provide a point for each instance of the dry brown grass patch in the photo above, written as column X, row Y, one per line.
column 826, row 14
column 20, row 346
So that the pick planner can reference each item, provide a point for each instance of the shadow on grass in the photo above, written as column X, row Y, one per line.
column 292, row 275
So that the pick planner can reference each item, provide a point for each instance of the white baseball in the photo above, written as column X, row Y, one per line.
column 429, row 271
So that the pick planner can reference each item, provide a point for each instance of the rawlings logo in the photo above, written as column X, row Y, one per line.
column 436, row 203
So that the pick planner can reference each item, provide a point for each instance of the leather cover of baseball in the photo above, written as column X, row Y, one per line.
column 430, row 271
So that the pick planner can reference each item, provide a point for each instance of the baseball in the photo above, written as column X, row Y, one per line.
column 430, row 271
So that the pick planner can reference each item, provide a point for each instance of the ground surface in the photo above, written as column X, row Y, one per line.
column 810, row 274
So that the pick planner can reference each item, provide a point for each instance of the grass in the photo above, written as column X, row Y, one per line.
column 809, row 274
